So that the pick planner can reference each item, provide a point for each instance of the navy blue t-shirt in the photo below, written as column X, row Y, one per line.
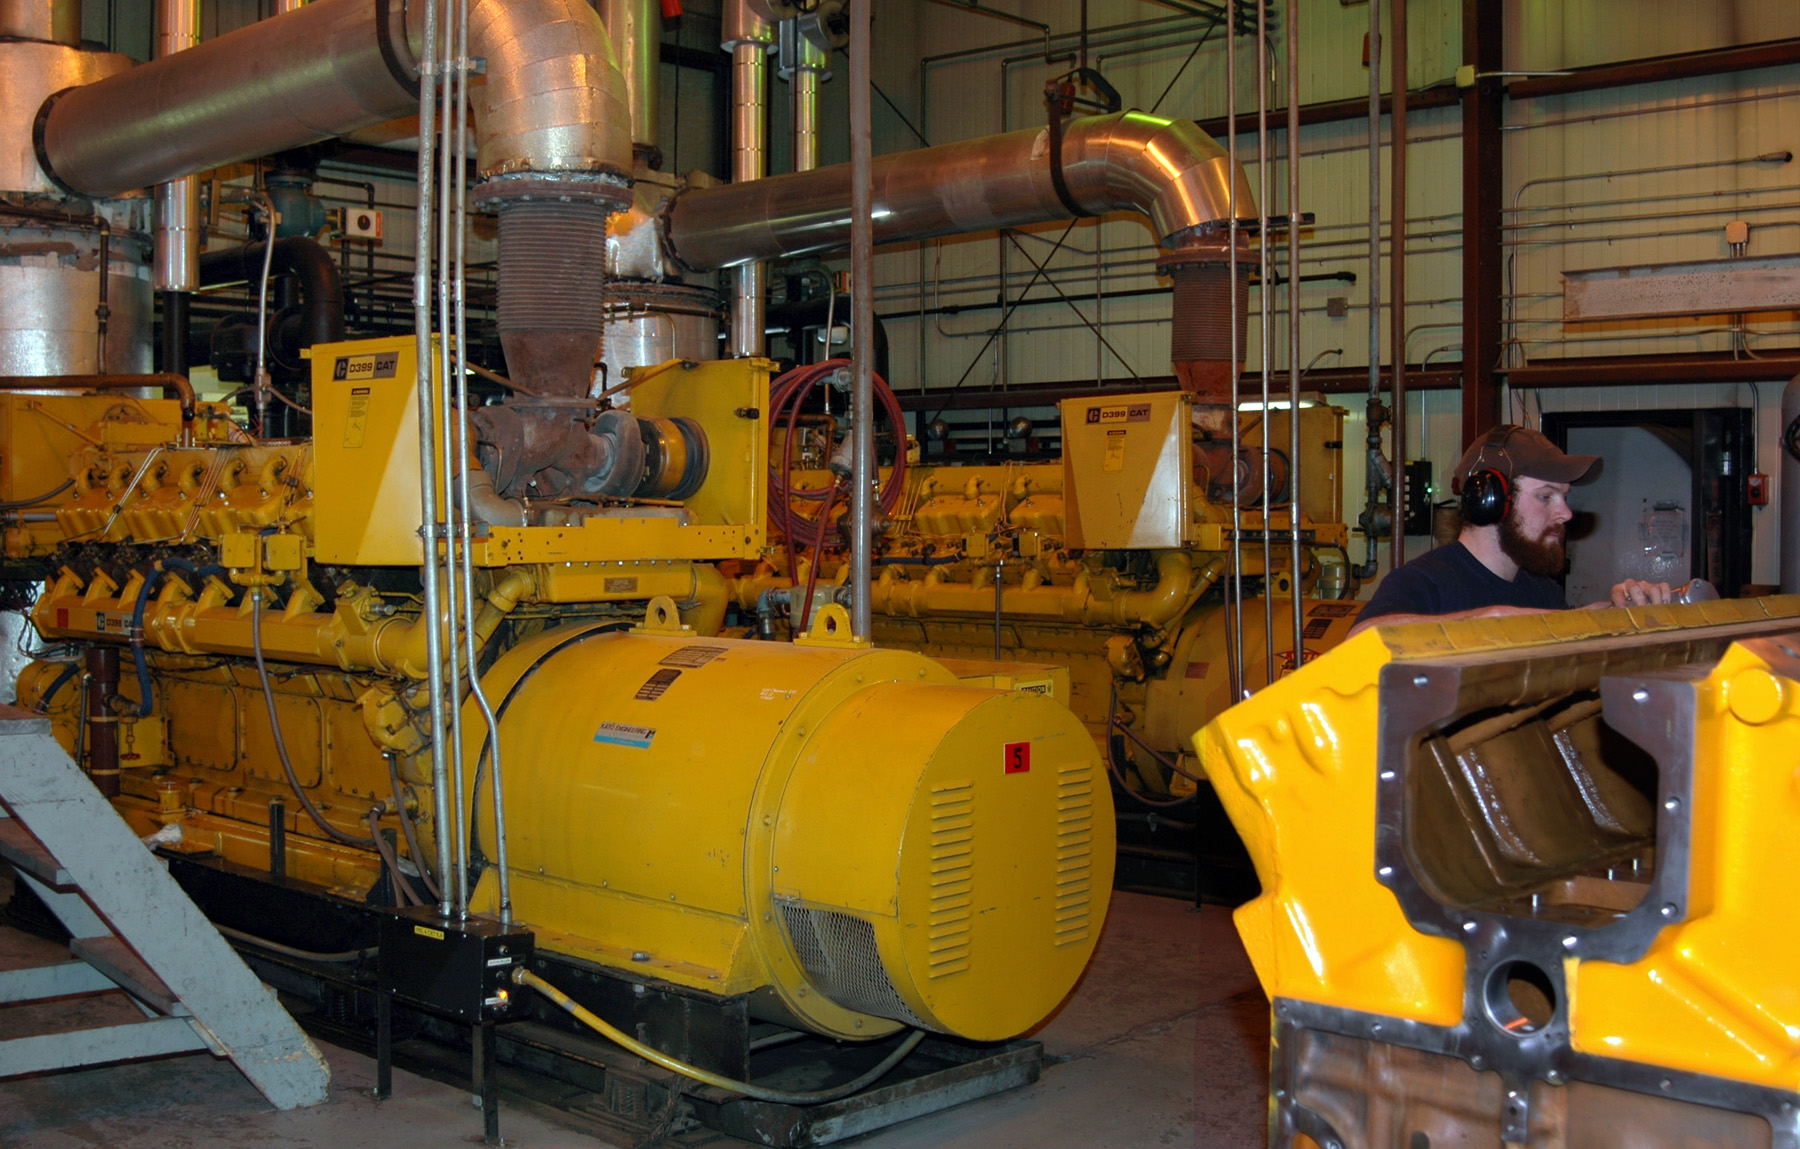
column 1449, row 579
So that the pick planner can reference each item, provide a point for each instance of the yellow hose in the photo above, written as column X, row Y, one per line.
column 523, row 976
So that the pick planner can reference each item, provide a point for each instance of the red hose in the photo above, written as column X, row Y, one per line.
column 786, row 396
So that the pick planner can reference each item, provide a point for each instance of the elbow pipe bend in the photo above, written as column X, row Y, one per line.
column 705, row 609
column 1158, row 606
column 1170, row 171
column 399, row 646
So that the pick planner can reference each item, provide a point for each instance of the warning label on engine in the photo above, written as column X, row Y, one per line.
column 692, row 656
column 657, row 683
column 624, row 734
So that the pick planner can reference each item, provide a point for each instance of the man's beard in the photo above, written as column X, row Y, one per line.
column 1543, row 556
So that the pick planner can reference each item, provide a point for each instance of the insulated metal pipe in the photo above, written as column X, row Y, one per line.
column 803, row 66
column 747, row 37
column 552, row 102
column 178, row 201
column 635, row 29
column 862, row 326
column 1168, row 170
column 52, row 21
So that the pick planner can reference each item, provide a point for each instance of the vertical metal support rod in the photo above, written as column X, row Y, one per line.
column 1397, row 281
column 1235, row 614
column 429, row 574
column 1374, row 263
column 449, row 177
column 1266, row 336
column 1296, row 461
column 384, row 1046
column 277, row 838
column 464, row 518
column 862, row 322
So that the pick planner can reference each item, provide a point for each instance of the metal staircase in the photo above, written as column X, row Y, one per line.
column 133, row 929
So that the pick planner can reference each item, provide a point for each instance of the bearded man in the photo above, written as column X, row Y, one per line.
column 1514, row 485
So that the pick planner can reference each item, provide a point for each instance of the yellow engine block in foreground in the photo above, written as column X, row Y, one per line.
column 1529, row 879
column 850, row 831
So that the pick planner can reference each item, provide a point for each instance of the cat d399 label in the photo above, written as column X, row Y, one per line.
column 380, row 365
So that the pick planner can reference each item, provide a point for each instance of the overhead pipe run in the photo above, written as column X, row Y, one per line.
column 1167, row 170
column 748, row 37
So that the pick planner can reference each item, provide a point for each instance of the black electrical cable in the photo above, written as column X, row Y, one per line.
column 512, row 692
column 339, row 957
column 404, row 894
column 406, row 827
column 1112, row 764
column 287, row 765
column 21, row 504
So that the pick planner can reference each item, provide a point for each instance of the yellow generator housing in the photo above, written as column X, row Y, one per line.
column 850, row 830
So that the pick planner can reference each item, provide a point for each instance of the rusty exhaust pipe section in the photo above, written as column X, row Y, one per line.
column 103, row 724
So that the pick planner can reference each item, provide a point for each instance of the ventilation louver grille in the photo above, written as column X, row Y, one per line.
column 951, row 913
column 838, row 953
column 1074, row 852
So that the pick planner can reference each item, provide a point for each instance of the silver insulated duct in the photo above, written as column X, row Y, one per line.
column 1168, row 170
column 552, row 135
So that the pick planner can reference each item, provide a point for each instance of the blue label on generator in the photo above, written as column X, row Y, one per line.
column 622, row 734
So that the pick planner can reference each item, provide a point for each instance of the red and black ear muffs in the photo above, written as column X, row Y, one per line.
column 1486, row 491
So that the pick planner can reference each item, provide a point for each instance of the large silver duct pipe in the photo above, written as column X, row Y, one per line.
column 51, row 21
column 635, row 28
column 747, row 36
column 552, row 100
column 803, row 66
column 177, row 265
column 1167, row 170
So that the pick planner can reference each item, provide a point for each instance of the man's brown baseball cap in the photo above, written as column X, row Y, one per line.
column 1520, row 452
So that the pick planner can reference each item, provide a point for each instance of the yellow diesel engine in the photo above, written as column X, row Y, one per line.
column 1116, row 561
column 702, row 834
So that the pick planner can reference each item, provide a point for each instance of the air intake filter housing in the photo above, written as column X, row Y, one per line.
column 852, row 837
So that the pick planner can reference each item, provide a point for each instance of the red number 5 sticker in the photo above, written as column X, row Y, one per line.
column 1018, row 757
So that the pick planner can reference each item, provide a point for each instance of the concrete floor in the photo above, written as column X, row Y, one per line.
column 1164, row 1042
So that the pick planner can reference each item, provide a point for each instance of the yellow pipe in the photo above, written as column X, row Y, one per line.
column 705, row 611
column 348, row 638
column 1178, row 584
column 398, row 646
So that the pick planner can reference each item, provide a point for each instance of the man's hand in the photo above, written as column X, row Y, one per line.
column 1636, row 592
